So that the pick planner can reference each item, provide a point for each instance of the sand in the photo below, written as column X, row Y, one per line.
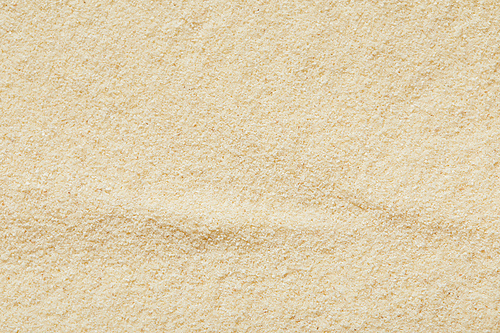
column 249, row 166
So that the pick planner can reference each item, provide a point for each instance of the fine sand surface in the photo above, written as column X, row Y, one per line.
column 249, row 166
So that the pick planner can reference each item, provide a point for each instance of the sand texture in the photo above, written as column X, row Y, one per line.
column 249, row 166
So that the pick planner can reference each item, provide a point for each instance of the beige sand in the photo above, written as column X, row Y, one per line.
column 249, row 166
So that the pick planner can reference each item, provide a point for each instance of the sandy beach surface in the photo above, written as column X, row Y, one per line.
column 249, row 166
